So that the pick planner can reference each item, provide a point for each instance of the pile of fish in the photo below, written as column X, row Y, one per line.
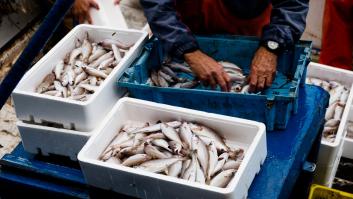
column 184, row 150
column 338, row 98
column 168, row 76
column 84, row 69
column 350, row 130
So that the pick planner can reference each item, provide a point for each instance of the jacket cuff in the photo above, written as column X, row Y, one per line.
column 282, row 35
column 184, row 48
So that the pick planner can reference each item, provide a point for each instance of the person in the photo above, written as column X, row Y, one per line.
column 337, row 34
column 280, row 23
column 80, row 10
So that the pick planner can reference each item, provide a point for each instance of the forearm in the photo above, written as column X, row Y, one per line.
column 288, row 20
column 167, row 26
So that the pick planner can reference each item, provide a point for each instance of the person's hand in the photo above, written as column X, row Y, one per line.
column 263, row 70
column 208, row 70
column 80, row 10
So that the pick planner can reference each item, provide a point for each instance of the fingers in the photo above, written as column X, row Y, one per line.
column 252, row 82
column 227, row 80
column 213, row 82
column 94, row 4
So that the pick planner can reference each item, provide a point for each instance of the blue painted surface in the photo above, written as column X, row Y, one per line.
column 287, row 151
column 273, row 107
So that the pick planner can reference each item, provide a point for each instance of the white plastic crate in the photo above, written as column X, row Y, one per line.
column 325, row 175
column 82, row 116
column 348, row 142
column 329, row 150
column 49, row 140
column 138, row 183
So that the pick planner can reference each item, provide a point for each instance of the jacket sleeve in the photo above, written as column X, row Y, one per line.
column 288, row 19
column 167, row 26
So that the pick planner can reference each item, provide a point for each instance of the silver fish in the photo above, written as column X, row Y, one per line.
column 207, row 132
column 98, row 53
column 107, row 43
column 170, row 133
column 59, row 68
column 175, row 146
column 230, row 65
column 94, row 72
column 200, row 176
column 185, row 165
column 102, row 58
column 189, row 84
column 232, row 164
column 86, row 50
column 236, row 88
column 73, row 55
column 332, row 123
column 89, row 87
column 175, row 169
column 52, row 93
column 156, row 127
column 330, row 111
column 237, row 77
column 213, row 160
column 154, row 152
column 179, row 67
column 105, row 63
column 136, row 159
column 161, row 143
column 93, row 80
column 185, row 135
column 190, row 172
column 222, row 159
column 116, row 52
column 223, row 178
column 159, row 165
column 338, row 112
column 170, row 72
column 201, row 151
column 162, row 82
column 165, row 76
column 47, row 81
column 245, row 89
column 344, row 97
column 78, row 91
column 80, row 77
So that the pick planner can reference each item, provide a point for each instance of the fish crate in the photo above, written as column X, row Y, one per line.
column 325, row 174
column 330, row 150
column 273, row 107
column 249, row 135
column 77, row 115
column 348, row 142
column 322, row 192
column 49, row 140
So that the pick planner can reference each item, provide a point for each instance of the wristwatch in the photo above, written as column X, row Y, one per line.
column 272, row 46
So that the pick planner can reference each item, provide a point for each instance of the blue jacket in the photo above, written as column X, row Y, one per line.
column 286, row 26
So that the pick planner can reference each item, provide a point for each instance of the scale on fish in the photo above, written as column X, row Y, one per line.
column 84, row 69
column 179, row 149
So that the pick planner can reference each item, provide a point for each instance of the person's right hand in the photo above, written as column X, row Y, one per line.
column 80, row 10
column 208, row 70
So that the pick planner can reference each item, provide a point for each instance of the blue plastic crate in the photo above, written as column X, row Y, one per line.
column 272, row 107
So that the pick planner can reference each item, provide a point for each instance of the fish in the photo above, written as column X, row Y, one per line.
column 136, row 160
column 107, row 43
column 175, row 169
column 207, row 132
column 114, row 160
column 200, row 176
column 89, row 87
column 86, row 50
column 165, row 76
column 185, row 165
column 201, row 151
column 47, row 81
column 332, row 123
column 116, row 53
column 213, row 160
column 222, row 179
column 185, row 135
column 154, row 152
column 97, row 54
column 161, row 143
column 222, row 159
column 79, row 78
column 158, row 165
column 229, row 65
column 102, row 58
column 330, row 111
column 73, row 55
column 169, row 72
column 176, row 147
column 232, row 164
column 170, row 133
column 162, row 82
column 94, row 72
column 179, row 67
column 338, row 112
column 236, row 88
column 59, row 68
column 190, row 172
column 105, row 63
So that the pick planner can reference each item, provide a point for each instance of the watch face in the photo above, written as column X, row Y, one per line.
column 272, row 45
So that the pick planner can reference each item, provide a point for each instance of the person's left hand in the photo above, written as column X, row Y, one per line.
column 263, row 70
column 80, row 10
